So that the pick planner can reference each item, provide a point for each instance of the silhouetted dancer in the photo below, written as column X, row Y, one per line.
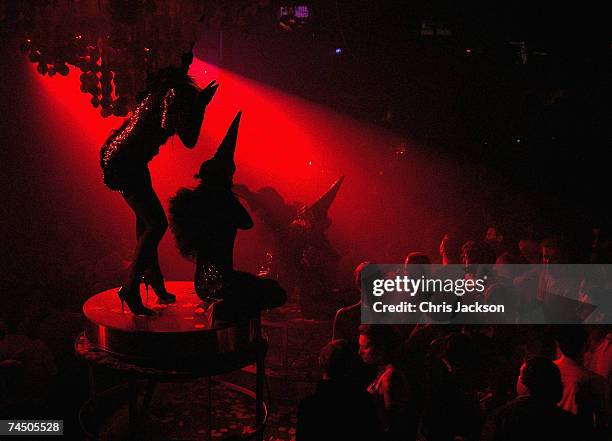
column 301, row 256
column 171, row 104
column 204, row 222
column 315, row 258
column 275, row 216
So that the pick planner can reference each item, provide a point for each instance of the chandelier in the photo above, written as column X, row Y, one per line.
column 114, row 44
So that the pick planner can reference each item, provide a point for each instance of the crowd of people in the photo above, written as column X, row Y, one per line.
column 425, row 381
column 474, row 382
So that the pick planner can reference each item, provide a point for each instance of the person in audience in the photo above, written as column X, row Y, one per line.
column 417, row 264
column 27, row 367
column 449, row 250
column 502, row 291
column 530, row 251
column 478, row 258
column 558, row 284
column 534, row 415
column 584, row 392
column 338, row 409
column 601, row 245
column 379, row 345
column 348, row 319
column 495, row 240
column 452, row 385
column 599, row 356
column 595, row 294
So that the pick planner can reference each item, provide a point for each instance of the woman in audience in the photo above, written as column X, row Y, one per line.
column 379, row 345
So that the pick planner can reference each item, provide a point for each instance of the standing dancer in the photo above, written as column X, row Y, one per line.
column 171, row 104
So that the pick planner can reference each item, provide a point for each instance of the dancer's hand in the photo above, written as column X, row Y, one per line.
column 244, row 192
column 241, row 189
column 188, row 125
column 206, row 95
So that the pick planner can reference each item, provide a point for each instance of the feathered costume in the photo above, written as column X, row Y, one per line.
column 204, row 222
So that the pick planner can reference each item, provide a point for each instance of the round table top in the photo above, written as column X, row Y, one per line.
column 180, row 334
column 187, row 314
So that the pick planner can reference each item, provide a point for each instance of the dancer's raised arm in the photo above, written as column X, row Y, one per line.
column 184, row 111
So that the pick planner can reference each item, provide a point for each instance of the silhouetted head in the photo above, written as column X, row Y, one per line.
column 270, row 197
column 572, row 340
column 171, row 76
column 378, row 344
column 374, row 271
column 542, row 378
column 336, row 359
column 507, row 265
column 493, row 237
column 530, row 250
column 475, row 252
column 357, row 272
column 417, row 265
column 186, row 60
column 557, row 250
column 460, row 350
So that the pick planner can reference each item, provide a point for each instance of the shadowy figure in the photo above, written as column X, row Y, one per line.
column 171, row 104
column 204, row 222
column 302, row 258
column 275, row 215
column 339, row 408
column 315, row 257
column 379, row 345
column 452, row 383
column 534, row 415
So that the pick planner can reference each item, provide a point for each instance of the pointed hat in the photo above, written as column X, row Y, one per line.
column 223, row 160
column 321, row 206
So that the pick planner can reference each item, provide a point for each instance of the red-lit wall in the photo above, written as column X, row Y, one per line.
column 390, row 204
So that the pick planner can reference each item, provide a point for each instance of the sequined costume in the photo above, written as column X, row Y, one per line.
column 126, row 153
column 205, row 221
column 171, row 104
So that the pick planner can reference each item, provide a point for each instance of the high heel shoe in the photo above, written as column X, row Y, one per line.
column 163, row 296
column 134, row 303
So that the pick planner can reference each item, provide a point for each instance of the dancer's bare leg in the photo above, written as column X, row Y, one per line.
column 151, row 224
column 153, row 275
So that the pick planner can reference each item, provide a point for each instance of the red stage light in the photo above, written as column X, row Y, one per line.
column 281, row 137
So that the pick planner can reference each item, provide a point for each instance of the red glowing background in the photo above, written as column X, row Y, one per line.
column 397, row 197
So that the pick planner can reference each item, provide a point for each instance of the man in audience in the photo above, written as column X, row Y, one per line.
column 534, row 416
column 478, row 258
column 599, row 357
column 584, row 392
column 339, row 409
column 451, row 406
column 558, row 284
column 348, row 319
